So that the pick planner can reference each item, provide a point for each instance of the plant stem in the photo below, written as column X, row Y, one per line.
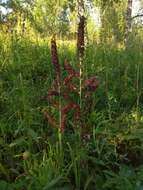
column 80, row 80
column 137, row 89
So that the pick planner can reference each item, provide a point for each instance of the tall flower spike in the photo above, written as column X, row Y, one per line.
column 51, row 119
column 80, row 37
column 89, row 87
column 91, row 84
column 55, row 61
column 69, row 68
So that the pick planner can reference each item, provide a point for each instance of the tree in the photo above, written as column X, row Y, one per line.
column 50, row 16
column 112, row 19
column 128, row 20
column 20, row 11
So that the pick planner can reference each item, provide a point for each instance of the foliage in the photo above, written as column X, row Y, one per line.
column 103, row 149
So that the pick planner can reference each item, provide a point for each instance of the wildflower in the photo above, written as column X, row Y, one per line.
column 91, row 84
column 55, row 61
column 80, row 37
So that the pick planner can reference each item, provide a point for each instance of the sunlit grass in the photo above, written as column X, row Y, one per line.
column 113, row 134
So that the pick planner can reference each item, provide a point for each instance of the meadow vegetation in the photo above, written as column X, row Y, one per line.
column 99, row 147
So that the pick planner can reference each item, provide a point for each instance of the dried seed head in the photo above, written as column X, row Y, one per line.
column 53, row 93
column 80, row 37
column 91, row 84
column 63, row 123
column 89, row 87
column 51, row 119
column 55, row 61
column 70, row 70
column 67, row 79
column 65, row 110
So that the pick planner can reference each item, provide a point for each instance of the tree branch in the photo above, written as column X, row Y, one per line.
column 136, row 16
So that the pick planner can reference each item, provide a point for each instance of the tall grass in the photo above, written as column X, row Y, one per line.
column 109, row 156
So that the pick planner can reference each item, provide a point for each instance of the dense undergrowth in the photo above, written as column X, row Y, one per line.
column 108, row 156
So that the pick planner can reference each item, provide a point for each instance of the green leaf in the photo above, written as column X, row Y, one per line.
column 52, row 183
column 3, row 185
column 32, row 134
column 17, row 142
column 89, row 179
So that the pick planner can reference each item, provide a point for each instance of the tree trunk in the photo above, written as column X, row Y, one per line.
column 128, row 21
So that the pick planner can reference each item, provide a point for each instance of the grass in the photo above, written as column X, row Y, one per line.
column 110, row 154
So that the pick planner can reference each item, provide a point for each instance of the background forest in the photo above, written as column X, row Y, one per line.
column 71, row 95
